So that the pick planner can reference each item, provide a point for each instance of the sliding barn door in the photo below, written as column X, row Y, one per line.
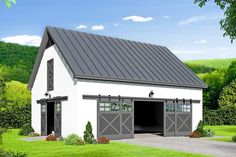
column 57, row 118
column 177, row 118
column 44, row 119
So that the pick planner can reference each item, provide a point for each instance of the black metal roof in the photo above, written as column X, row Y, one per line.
column 105, row 58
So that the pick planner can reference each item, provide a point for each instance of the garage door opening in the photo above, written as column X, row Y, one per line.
column 148, row 117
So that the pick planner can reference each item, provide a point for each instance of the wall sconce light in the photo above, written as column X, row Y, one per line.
column 47, row 94
column 151, row 94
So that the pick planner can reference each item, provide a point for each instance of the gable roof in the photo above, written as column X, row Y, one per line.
column 97, row 57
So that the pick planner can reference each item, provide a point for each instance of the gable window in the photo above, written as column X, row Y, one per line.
column 50, row 75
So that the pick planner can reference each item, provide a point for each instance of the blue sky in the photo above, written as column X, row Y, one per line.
column 187, row 30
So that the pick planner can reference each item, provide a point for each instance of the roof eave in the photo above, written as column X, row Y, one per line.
column 138, row 82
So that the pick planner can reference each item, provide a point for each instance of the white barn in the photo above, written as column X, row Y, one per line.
column 120, row 86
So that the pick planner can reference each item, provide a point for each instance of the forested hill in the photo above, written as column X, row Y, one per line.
column 16, row 61
column 219, row 64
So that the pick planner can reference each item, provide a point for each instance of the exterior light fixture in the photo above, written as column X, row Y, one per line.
column 151, row 94
column 47, row 94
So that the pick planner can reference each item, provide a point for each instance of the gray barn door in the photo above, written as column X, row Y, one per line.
column 169, row 119
column 115, row 120
column 57, row 118
column 127, row 120
column 44, row 119
column 177, row 118
column 183, row 118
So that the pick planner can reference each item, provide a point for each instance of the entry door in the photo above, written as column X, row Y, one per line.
column 44, row 119
column 57, row 119
column 177, row 118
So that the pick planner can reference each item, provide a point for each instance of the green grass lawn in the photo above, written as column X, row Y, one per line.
column 223, row 130
column 213, row 63
column 58, row 149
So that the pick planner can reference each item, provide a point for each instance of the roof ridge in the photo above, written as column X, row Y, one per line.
column 95, row 34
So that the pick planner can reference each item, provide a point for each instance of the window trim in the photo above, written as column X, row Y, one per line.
column 50, row 81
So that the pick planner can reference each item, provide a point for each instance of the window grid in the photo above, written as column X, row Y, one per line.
column 115, row 106
column 170, row 107
column 183, row 108
column 58, row 107
column 50, row 75
column 43, row 108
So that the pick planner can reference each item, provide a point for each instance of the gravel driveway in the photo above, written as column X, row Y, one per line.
column 186, row 144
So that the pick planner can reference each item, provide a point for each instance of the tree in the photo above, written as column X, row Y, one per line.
column 3, row 100
column 9, row 2
column 88, row 134
column 228, row 23
column 230, row 73
column 215, row 82
column 17, row 94
column 227, row 97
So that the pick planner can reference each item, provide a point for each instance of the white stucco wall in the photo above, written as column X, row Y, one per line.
column 76, row 112
column 131, row 90
column 63, row 86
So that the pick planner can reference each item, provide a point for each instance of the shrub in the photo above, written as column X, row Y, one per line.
column 11, row 154
column 208, row 133
column 2, row 130
column 26, row 130
column 34, row 134
column 219, row 117
column 15, row 117
column 200, row 126
column 201, row 132
column 195, row 134
column 88, row 135
column 51, row 137
column 17, row 154
column 103, row 140
column 234, row 138
column 73, row 139
column 60, row 138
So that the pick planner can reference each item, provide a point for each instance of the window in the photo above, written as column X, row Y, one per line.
column 43, row 107
column 58, row 107
column 126, row 107
column 109, row 106
column 170, row 107
column 183, row 108
column 50, row 75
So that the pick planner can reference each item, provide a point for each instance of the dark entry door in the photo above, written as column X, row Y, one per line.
column 177, row 118
column 51, row 118
column 115, row 119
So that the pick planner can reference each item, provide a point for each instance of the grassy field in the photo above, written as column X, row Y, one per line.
column 213, row 63
column 226, row 131
column 58, row 149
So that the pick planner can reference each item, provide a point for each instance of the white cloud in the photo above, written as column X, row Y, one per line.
column 196, row 19
column 81, row 27
column 98, row 27
column 31, row 40
column 223, row 48
column 192, row 20
column 166, row 17
column 137, row 18
column 186, row 52
column 200, row 41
